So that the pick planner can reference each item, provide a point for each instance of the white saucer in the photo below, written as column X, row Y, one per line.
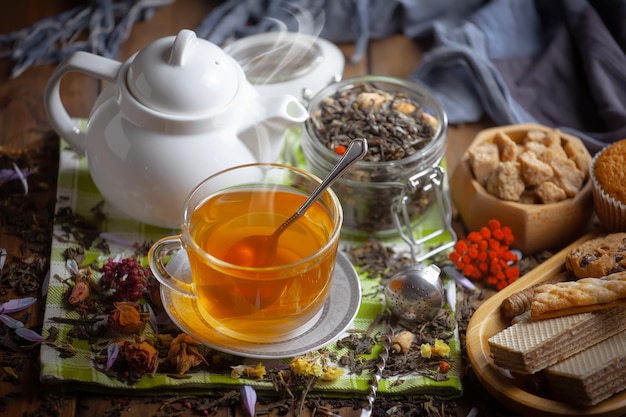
column 338, row 313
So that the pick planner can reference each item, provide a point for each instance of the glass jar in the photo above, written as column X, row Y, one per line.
column 405, row 197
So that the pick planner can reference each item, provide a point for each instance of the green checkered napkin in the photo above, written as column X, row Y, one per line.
column 77, row 191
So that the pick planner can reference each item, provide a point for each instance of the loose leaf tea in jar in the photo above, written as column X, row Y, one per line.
column 394, row 125
column 399, row 179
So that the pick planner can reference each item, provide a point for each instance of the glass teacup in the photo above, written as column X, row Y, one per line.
column 260, row 303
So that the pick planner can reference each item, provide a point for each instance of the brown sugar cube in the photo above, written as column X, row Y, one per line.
column 506, row 181
column 549, row 192
column 534, row 171
column 483, row 159
column 506, row 146
column 553, row 142
column 529, row 196
column 535, row 147
column 535, row 136
column 577, row 152
column 552, row 138
column 567, row 175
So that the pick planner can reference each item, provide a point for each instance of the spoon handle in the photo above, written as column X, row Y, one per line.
column 356, row 151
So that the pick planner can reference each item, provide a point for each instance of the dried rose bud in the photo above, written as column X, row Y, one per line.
column 183, row 353
column 444, row 367
column 401, row 342
column 140, row 355
column 80, row 292
column 126, row 318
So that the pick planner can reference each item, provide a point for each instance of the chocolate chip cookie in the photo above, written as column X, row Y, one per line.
column 598, row 257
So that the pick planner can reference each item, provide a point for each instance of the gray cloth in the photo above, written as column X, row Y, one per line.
column 107, row 23
column 559, row 63
column 336, row 20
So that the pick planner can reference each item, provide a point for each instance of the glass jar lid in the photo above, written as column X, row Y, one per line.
column 288, row 62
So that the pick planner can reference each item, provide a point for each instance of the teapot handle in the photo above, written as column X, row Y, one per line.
column 60, row 120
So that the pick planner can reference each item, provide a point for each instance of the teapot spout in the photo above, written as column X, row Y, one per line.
column 264, row 131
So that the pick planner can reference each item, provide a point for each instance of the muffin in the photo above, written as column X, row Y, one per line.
column 608, row 178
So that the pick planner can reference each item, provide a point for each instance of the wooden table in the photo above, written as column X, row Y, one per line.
column 23, row 125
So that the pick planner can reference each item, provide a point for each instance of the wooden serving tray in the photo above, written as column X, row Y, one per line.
column 488, row 320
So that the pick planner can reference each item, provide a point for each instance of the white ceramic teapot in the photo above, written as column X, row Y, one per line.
column 176, row 112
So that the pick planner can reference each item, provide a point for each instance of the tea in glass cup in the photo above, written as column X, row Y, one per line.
column 265, row 302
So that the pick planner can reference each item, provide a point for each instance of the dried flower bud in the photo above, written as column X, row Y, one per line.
column 240, row 371
column 331, row 373
column 406, row 107
column 304, row 365
column 80, row 292
column 127, row 277
column 126, row 318
column 441, row 348
column 141, row 355
column 368, row 100
column 316, row 365
column 401, row 342
column 430, row 120
column 183, row 353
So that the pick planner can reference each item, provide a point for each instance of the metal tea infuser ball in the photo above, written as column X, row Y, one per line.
column 415, row 293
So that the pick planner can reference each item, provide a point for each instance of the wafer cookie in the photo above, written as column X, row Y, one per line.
column 592, row 375
column 530, row 346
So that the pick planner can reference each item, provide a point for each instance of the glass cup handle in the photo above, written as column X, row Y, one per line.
column 161, row 250
column 431, row 177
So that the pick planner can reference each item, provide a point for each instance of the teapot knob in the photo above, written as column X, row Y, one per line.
column 182, row 44
column 184, row 76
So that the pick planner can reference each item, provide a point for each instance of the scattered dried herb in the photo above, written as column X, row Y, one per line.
column 24, row 273
column 77, row 228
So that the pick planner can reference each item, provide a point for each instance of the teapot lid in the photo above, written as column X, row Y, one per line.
column 183, row 75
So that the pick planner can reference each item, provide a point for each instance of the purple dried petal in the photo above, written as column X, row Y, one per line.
column 153, row 318
column 7, row 175
column 21, row 176
column 473, row 412
column 459, row 277
column 11, row 322
column 3, row 257
column 112, row 352
column 112, row 237
column 72, row 266
column 45, row 284
column 17, row 304
column 163, row 318
column 29, row 335
column 451, row 298
column 248, row 399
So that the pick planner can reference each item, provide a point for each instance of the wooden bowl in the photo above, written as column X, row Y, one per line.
column 536, row 227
